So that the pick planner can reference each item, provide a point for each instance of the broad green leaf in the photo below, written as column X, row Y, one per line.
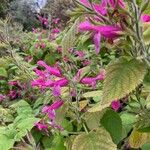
column 47, row 142
column 122, row 77
column 98, row 107
column 95, row 140
column 58, row 143
column 69, row 38
column 137, row 139
column 93, row 119
column 69, row 142
column 93, row 94
column 67, row 125
column 3, row 72
column 111, row 121
column 127, row 121
column 143, row 121
column 6, row 143
column 146, row 146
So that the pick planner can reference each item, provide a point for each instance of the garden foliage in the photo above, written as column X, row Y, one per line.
column 85, row 86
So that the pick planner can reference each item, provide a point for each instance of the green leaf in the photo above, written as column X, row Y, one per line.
column 122, row 77
column 50, row 59
column 98, row 107
column 143, row 121
column 127, row 121
column 95, row 140
column 137, row 139
column 69, row 38
column 6, row 143
column 146, row 146
column 3, row 72
column 93, row 119
column 93, row 94
column 58, row 143
column 111, row 121
column 67, row 125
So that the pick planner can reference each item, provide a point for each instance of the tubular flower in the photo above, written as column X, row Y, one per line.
column 107, row 31
column 51, row 70
column 41, row 126
column 116, row 105
column 145, row 18
column 90, row 81
column 50, row 111
column 101, row 7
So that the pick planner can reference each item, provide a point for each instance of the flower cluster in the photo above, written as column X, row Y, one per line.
column 50, row 111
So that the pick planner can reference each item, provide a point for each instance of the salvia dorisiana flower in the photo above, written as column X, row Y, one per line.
column 99, row 31
column 50, row 111
column 115, row 105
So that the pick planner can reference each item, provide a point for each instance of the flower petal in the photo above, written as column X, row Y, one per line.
column 97, row 40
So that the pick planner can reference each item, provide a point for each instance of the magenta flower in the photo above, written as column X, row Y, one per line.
column 42, row 45
column 62, row 82
column 2, row 97
column 56, row 91
column 41, row 126
column 116, row 105
column 107, row 31
column 54, row 106
column 86, row 62
column 55, row 30
column 145, row 18
column 13, row 83
column 50, row 111
column 101, row 7
column 56, row 20
column 51, row 70
column 90, row 81
column 80, row 54
column 97, row 40
column 12, row 94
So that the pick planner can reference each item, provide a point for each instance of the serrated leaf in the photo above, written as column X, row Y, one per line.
column 95, row 140
column 137, row 139
column 93, row 94
column 122, row 77
column 93, row 119
column 69, row 38
column 6, row 143
column 111, row 121
column 98, row 107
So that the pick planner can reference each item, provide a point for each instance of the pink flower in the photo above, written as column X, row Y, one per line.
column 41, row 126
column 13, row 94
column 50, row 111
column 145, row 18
column 2, row 97
column 107, row 31
column 51, row 70
column 62, row 82
column 56, row 20
column 43, row 45
column 101, row 7
column 81, row 54
column 53, row 106
column 56, row 91
column 55, row 30
column 86, row 62
column 13, row 83
column 97, row 40
column 116, row 105
column 90, row 81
